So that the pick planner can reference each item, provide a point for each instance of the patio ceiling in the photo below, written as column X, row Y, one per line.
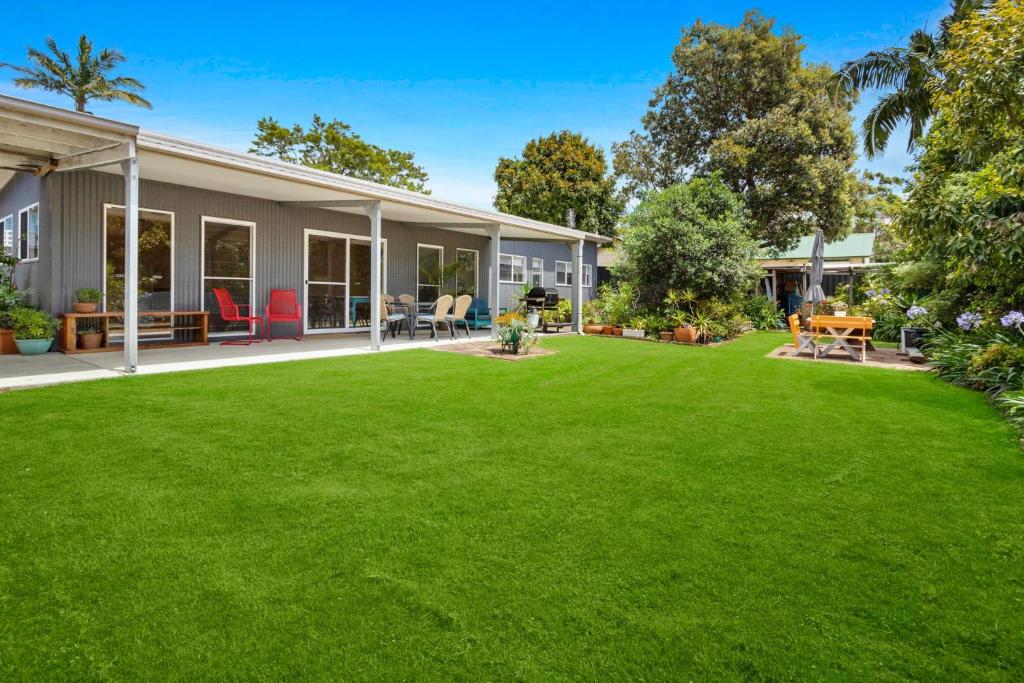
column 39, row 139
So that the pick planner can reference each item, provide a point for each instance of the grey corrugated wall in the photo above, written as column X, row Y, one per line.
column 278, row 242
column 550, row 252
column 21, row 191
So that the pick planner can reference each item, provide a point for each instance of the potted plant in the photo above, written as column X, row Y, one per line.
column 704, row 326
column 87, row 300
column 33, row 330
column 839, row 308
column 682, row 331
column 90, row 338
column 635, row 328
column 10, row 298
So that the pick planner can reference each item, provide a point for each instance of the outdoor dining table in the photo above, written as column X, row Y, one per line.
column 842, row 329
column 412, row 311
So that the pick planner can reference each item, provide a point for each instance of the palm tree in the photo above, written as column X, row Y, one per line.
column 909, row 72
column 82, row 81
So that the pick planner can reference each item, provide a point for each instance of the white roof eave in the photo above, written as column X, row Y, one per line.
column 195, row 151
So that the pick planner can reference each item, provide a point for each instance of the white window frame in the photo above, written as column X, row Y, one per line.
column 252, row 264
column 28, row 235
column 349, row 238
column 588, row 275
column 8, row 237
column 106, row 209
column 476, row 269
column 535, row 271
column 513, row 258
column 418, row 283
column 567, row 272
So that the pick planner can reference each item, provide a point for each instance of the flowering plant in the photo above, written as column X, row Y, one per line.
column 1013, row 319
column 915, row 312
column 968, row 321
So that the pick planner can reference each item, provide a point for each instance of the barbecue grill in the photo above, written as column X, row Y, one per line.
column 542, row 298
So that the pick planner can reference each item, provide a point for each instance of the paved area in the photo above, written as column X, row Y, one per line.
column 18, row 372
column 879, row 358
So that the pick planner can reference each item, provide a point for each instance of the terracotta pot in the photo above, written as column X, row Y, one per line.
column 665, row 336
column 607, row 329
column 83, row 307
column 593, row 329
column 687, row 335
column 90, row 340
column 7, row 344
column 617, row 331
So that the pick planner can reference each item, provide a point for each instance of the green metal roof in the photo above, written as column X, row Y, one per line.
column 857, row 244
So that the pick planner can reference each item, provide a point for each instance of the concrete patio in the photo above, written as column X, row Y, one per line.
column 19, row 372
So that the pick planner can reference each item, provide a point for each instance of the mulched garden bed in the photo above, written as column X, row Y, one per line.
column 489, row 349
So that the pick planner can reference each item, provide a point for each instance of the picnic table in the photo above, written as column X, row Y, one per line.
column 851, row 334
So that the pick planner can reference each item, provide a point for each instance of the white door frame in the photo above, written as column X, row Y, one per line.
column 305, row 277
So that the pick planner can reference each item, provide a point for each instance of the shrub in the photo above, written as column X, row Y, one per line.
column 31, row 323
column 762, row 312
column 689, row 236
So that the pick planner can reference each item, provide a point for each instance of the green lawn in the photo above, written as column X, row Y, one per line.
column 618, row 510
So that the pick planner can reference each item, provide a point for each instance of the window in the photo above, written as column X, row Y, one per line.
column 8, row 228
column 563, row 273
column 156, row 232
column 512, row 268
column 537, row 272
column 466, row 272
column 587, row 275
column 28, row 233
column 430, row 272
column 227, row 264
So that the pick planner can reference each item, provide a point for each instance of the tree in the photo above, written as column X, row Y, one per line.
column 83, row 81
column 965, row 201
column 876, row 205
column 693, row 236
column 556, row 173
column 332, row 146
column 741, row 102
column 908, row 73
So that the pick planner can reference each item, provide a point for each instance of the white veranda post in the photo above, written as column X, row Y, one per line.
column 494, row 232
column 130, row 167
column 373, row 210
column 577, row 290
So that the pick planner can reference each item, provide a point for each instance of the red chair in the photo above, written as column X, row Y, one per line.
column 231, row 312
column 283, row 308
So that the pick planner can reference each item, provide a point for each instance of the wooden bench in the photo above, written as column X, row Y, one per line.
column 184, row 328
column 842, row 330
column 801, row 340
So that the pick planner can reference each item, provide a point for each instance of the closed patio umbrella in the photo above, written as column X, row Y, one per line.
column 815, row 294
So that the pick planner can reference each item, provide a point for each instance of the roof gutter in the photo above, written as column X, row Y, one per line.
column 188, row 149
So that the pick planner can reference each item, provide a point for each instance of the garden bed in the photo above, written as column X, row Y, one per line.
column 488, row 349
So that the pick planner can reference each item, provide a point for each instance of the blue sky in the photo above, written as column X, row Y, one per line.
column 458, row 84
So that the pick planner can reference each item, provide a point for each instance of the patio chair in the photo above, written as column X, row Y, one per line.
column 232, row 313
column 802, row 341
column 388, row 298
column 438, row 316
column 406, row 298
column 479, row 314
column 283, row 308
column 458, row 314
column 391, row 321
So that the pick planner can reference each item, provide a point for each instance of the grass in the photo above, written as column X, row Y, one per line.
column 617, row 510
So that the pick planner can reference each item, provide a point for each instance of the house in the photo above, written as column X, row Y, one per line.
column 786, row 272
column 157, row 222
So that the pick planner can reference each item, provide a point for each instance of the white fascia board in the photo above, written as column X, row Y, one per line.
column 189, row 149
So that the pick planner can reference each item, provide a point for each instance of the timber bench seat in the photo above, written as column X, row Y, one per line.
column 170, row 328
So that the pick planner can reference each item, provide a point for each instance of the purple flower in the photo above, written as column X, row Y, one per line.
column 1013, row 319
column 886, row 291
column 968, row 321
column 916, row 312
column 871, row 292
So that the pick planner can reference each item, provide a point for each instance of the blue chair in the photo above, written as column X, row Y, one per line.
column 479, row 314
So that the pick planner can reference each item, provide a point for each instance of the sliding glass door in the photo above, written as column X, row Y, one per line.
column 156, row 233
column 338, row 281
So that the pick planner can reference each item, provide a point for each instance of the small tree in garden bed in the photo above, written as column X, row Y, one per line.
column 691, row 236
